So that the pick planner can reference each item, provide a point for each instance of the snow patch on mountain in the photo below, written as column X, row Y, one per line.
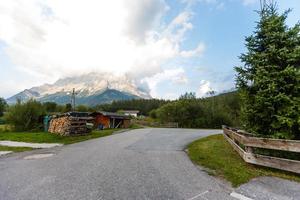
column 86, row 85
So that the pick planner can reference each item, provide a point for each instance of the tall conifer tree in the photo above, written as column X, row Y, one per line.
column 269, row 80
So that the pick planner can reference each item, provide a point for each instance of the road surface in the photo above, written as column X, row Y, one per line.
column 138, row 164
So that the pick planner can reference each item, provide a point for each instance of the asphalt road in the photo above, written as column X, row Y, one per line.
column 139, row 164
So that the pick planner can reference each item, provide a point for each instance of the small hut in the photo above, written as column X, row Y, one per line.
column 103, row 120
column 71, row 123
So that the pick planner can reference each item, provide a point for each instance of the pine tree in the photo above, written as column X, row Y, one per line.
column 269, row 81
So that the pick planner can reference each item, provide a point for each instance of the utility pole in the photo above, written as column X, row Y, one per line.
column 107, row 85
column 73, row 100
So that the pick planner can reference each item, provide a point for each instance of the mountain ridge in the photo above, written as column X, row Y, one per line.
column 91, row 89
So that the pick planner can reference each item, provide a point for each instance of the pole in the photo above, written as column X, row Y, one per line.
column 73, row 99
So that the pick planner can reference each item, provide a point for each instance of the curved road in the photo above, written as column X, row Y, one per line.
column 138, row 164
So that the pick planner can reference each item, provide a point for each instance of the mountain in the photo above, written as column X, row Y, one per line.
column 91, row 89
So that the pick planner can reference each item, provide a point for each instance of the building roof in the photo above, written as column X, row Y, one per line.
column 110, row 114
column 131, row 111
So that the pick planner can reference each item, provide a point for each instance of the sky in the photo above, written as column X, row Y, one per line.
column 168, row 46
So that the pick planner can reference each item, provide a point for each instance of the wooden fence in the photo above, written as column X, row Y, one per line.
column 156, row 124
column 239, row 139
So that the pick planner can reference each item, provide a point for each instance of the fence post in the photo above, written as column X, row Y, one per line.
column 249, row 149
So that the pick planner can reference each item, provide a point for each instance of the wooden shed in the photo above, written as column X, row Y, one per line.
column 103, row 120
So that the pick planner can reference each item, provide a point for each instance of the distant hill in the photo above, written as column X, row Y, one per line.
column 91, row 89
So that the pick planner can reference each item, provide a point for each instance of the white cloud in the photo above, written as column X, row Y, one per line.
column 144, row 15
column 204, row 87
column 65, row 37
column 51, row 39
column 179, row 26
column 198, row 51
column 176, row 76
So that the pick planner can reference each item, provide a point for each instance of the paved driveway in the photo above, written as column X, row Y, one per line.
column 139, row 164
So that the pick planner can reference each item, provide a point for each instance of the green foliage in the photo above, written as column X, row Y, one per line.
column 68, row 107
column 25, row 116
column 15, row 149
column 188, row 95
column 3, row 106
column 153, row 114
column 50, row 106
column 211, row 112
column 143, row 105
column 216, row 155
column 82, row 108
column 269, row 81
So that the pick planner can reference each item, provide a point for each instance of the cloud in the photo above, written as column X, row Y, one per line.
column 175, row 76
column 141, row 23
column 179, row 26
column 195, row 52
column 65, row 37
column 204, row 87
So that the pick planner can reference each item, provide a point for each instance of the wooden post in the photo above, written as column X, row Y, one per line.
column 249, row 149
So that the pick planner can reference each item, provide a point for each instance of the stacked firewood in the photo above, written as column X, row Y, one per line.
column 68, row 125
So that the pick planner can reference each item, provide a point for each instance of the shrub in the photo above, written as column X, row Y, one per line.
column 25, row 116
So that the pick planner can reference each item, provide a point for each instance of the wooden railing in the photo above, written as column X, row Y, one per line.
column 156, row 124
column 239, row 139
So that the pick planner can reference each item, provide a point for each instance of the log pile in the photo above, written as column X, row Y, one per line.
column 69, row 125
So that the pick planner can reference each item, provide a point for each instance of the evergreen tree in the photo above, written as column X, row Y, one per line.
column 269, row 80
column 3, row 106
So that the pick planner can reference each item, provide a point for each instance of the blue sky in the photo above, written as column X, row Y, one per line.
column 170, row 46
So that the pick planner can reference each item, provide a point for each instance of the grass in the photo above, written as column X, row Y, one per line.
column 216, row 154
column 15, row 149
column 43, row 137
column 5, row 128
column 135, row 126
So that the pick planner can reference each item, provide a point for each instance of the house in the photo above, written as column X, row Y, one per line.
column 133, row 113
column 103, row 120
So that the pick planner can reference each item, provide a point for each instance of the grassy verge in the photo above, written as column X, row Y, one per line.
column 216, row 154
column 42, row 137
column 15, row 149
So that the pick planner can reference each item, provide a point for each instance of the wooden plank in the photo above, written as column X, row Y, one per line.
column 267, row 143
column 233, row 135
column 277, row 163
column 236, row 147
column 276, row 144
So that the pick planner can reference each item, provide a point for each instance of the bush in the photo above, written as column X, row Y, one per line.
column 25, row 116
column 211, row 112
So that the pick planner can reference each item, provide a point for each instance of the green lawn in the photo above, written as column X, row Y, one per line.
column 43, row 137
column 216, row 154
column 15, row 149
